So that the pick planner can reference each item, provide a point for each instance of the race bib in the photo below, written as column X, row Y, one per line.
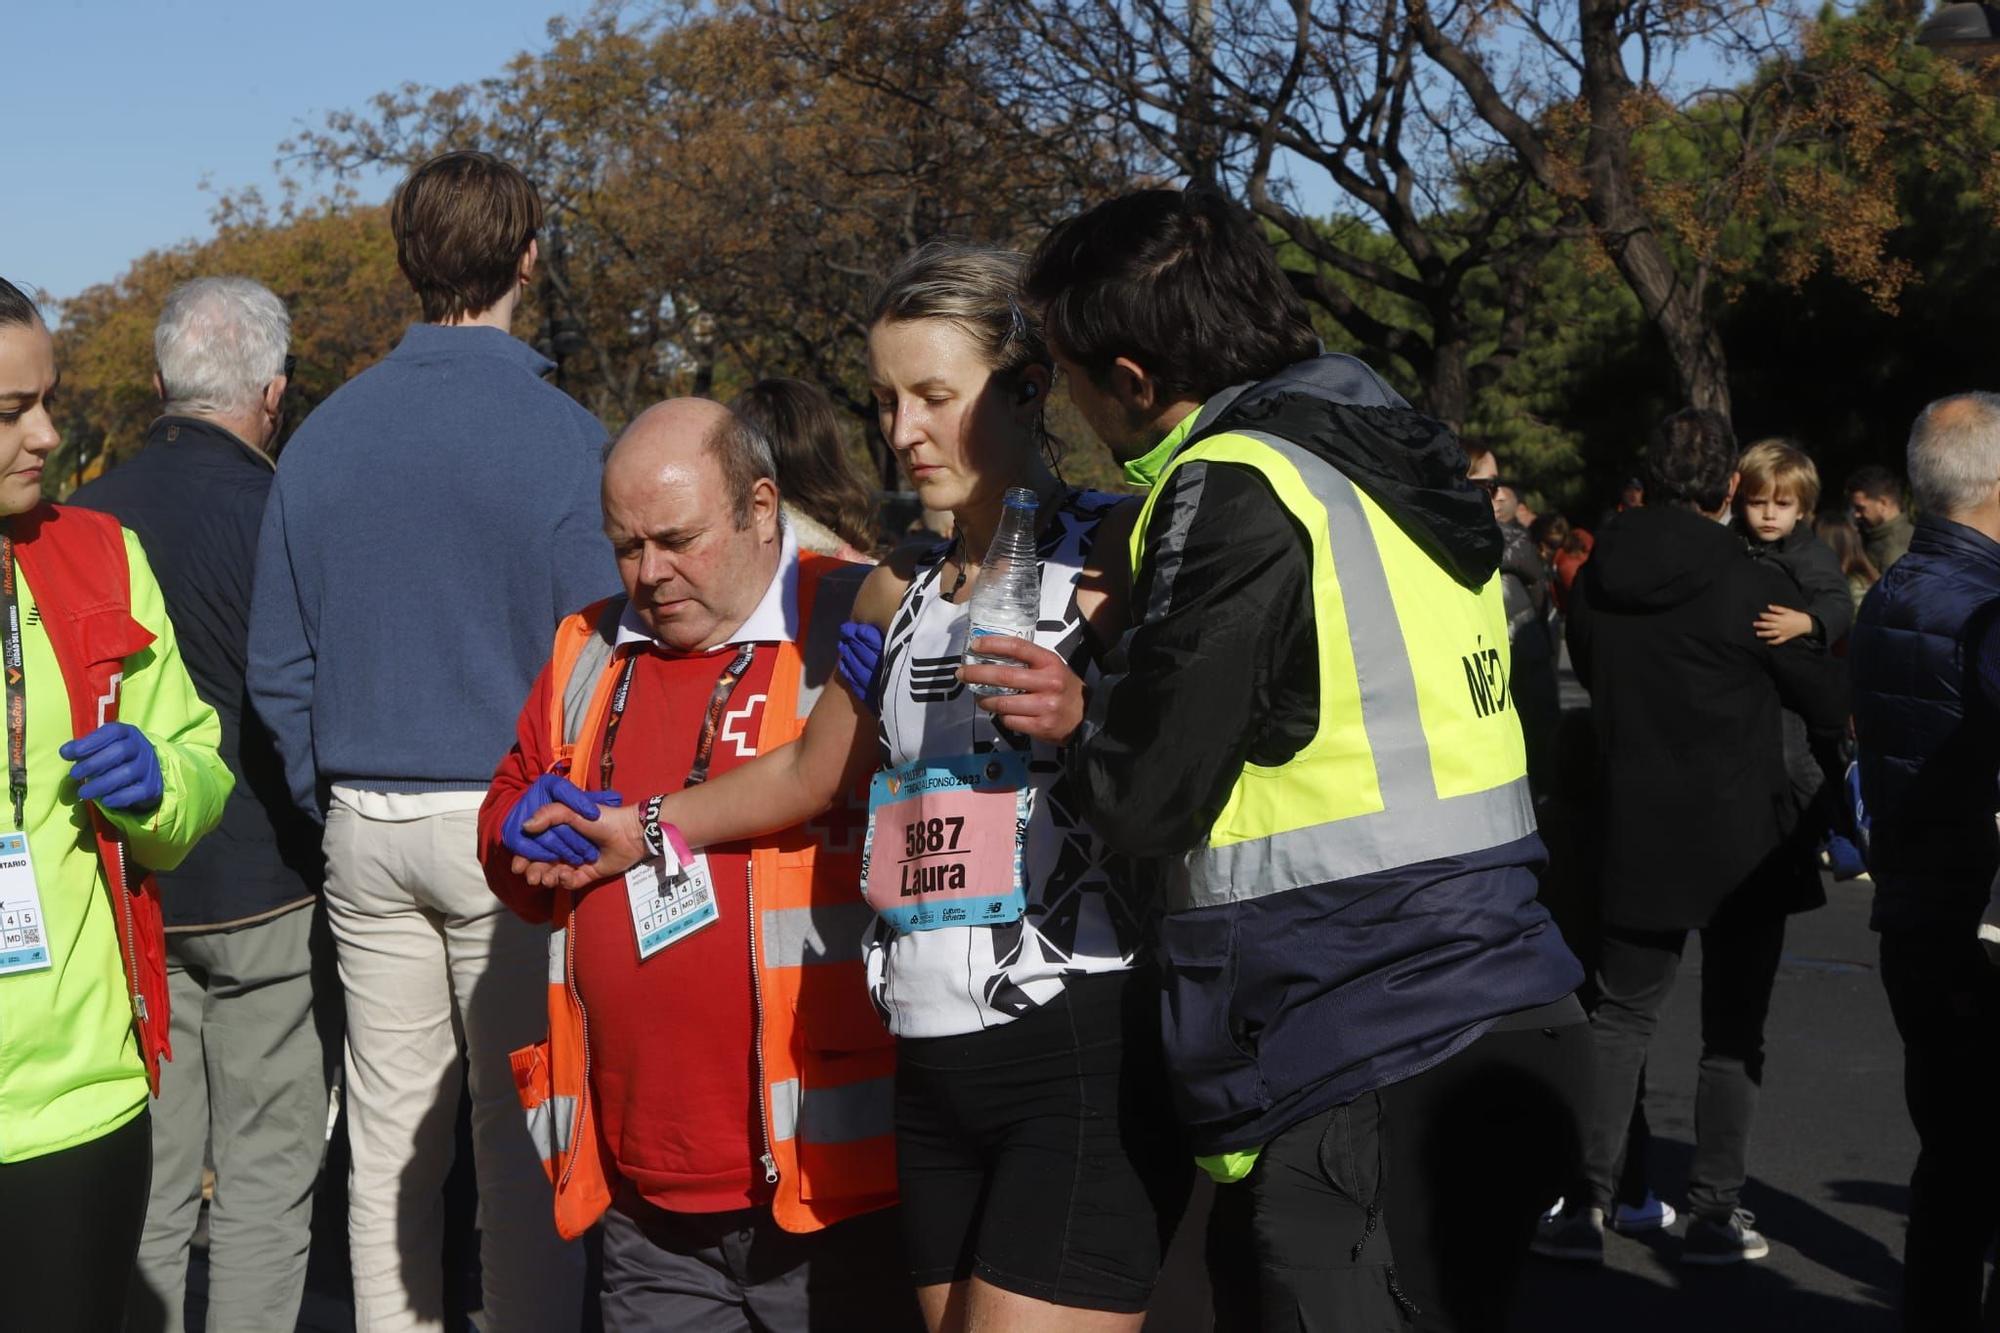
column 947, row 842
column 670, row 900
column 24, row 941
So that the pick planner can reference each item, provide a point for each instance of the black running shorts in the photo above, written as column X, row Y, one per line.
column 1042, row 1156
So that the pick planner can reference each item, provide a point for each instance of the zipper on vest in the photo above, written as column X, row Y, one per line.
column 131, row 945
column 769, row 1160
column 583, row 1018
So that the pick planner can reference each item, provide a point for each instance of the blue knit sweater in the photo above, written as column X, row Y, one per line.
column 429, row 525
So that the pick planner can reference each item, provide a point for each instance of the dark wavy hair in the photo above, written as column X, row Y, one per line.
column 814, row 476
column 1690, row 460
column 1178, row 281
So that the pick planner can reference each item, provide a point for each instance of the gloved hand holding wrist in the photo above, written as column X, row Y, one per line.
column 558, row 842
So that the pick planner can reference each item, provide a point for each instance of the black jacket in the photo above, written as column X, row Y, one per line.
column 195, row 496
column 1282, row 1006
column 1686, row 701
column 1815, row 570
column 1928, row 730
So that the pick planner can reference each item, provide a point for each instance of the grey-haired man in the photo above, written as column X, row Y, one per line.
column 246, row 1087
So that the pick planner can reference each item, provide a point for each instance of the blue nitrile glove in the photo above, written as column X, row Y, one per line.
column 861, row 662
column 116, row 767
column 557, row 842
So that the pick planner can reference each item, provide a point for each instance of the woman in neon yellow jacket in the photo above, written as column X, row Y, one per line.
column 112, row 770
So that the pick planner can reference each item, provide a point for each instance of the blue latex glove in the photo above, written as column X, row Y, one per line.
column 861, row 662
column 115, row 766
column 557, row 842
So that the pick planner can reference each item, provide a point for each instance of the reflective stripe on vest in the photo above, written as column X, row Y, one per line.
column 551, row 1126
column 821, row 933
column 589, row 666
column 839, row 1113
column 1418, row 754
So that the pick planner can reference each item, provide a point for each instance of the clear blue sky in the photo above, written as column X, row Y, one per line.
column 113, row 111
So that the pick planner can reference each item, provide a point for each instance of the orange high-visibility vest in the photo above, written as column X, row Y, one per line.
column 826, row 1063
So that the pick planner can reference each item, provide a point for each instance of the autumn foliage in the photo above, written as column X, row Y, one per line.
column 1493, row 201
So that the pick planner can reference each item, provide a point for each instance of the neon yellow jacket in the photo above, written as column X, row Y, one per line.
column 69, row 1064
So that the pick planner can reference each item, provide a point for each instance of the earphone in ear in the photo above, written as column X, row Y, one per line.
column 1029, row 393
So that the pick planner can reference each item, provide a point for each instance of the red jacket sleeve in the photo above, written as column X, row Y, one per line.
column 528, row 760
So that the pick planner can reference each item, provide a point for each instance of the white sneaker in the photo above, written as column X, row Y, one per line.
column 1654, row 1214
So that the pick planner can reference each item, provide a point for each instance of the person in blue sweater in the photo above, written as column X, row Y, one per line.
column 429, row 525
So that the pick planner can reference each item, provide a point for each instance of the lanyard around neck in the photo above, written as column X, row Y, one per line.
column 711, row 722
column 17, row 691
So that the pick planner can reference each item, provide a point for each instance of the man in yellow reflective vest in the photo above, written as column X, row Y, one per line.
column 1370, row 1019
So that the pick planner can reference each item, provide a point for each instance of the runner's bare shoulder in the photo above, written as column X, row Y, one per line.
column 882, row 592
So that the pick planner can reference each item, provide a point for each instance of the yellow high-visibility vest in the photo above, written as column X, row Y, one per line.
column 1418, row 753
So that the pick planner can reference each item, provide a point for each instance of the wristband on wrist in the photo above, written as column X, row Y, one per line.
column 649, row 825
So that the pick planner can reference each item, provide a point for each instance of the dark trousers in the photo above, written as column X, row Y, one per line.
column 69, row 1226
column 1411, row 1206
column 1635, row 975
column 1945, row 998
column 741, row 1272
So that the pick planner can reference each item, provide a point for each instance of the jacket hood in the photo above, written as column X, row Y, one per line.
column 1409, row 464
column 1654, row 558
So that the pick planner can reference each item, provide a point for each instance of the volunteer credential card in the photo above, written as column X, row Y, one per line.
column 24, row 941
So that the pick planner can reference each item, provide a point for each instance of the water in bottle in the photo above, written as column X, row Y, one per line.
column 1007, row 599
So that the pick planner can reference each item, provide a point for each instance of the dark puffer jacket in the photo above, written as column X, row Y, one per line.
column 1929, row 737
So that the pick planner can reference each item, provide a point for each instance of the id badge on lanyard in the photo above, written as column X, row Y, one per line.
column 24, row 943
column 947, row 842
column 670, row 899
column 672, row 895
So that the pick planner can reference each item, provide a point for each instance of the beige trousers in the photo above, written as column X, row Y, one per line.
column 433, row 967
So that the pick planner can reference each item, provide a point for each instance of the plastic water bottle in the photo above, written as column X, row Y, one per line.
column 1007, row 600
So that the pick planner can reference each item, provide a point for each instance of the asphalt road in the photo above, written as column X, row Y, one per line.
column 1829, row 1174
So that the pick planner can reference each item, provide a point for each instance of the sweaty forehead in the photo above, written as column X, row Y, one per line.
column 673, row 493
column 914, row 352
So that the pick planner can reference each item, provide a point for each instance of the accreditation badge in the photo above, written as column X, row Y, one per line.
column 947, row 842
column 24, row 940
column 670, row 900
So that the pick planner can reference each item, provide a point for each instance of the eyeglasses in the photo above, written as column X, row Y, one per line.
column 1491, row 485
column 291, row 364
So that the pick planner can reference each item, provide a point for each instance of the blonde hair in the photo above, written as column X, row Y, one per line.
column 974, row 288
column 1778, row 467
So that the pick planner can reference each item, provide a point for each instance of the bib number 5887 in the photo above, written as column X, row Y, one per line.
column 932, row 835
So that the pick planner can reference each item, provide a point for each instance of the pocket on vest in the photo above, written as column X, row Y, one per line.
column 1211, row 1044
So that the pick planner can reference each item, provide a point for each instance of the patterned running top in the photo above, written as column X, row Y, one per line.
column 1082, row 914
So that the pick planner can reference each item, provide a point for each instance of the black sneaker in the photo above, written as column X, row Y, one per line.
column 1730, row 1241
column 1575, row 1234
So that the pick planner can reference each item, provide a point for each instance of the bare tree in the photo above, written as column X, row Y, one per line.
column 1797, row 150
column 1284, row 100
